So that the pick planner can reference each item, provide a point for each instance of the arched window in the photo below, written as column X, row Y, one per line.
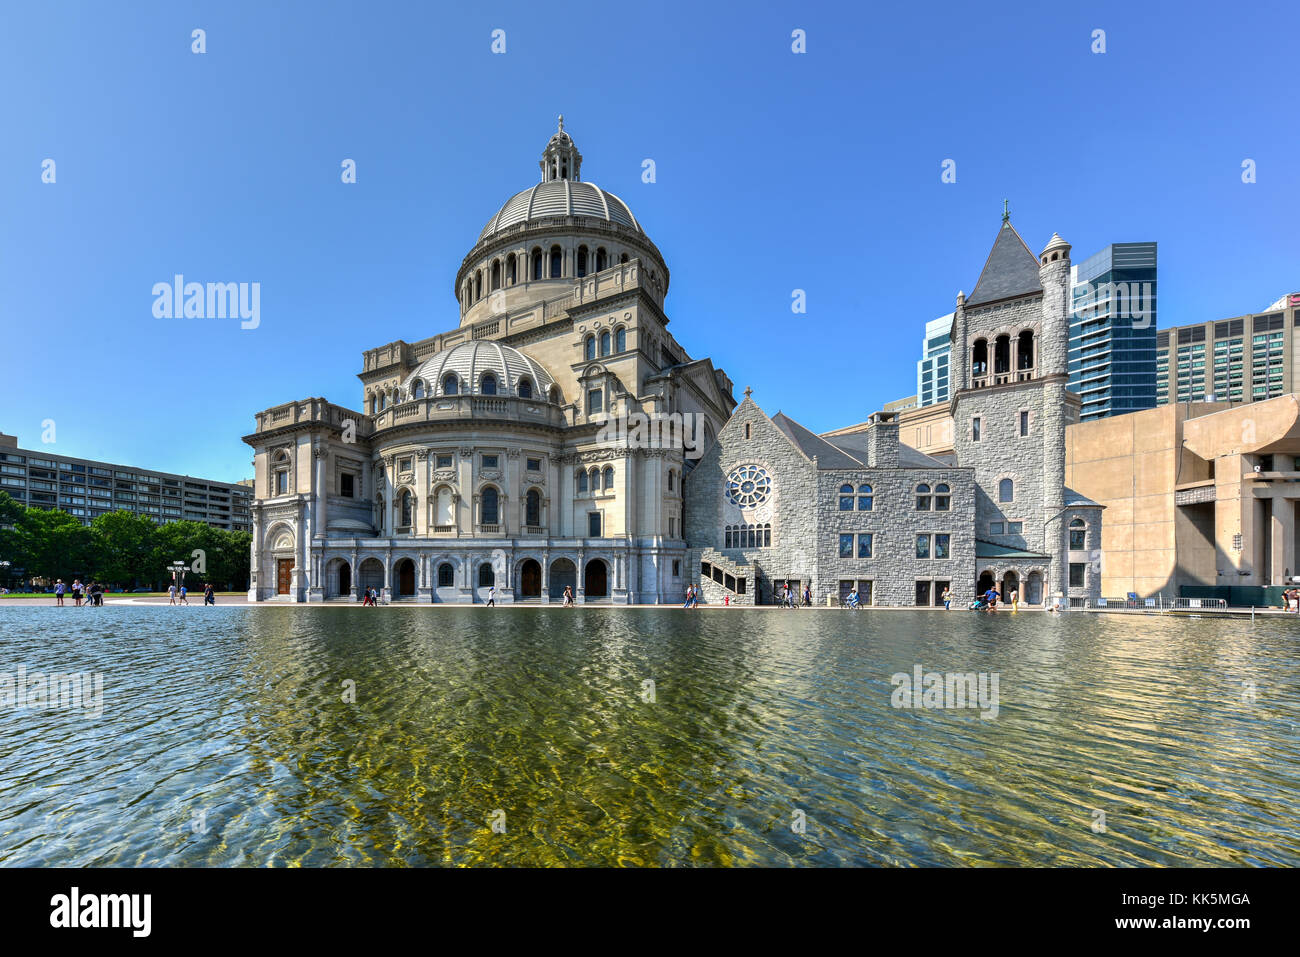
column 533, row 508
column 489, row 385
column 382, row 401
column 1002, row 354
column 670, row 480
column 942, row 498
column 846, row 498
column 582, row 260
column 620, row 340
column 537, row 264
column 604, row 343
column 865, row 498
column 557, row 262
column 622, row 259
column 449, row 384
column 609, row 477
column 590, row 350
column 490, row 506
column 595, row 479
column 1078, row 532
column 486, row 577
column 511, row 271
column 767, row 535
column 495, row 283
column 406, row 509
column 582, row 482
column 1006, row 491
column 443, row 509
column 478, row 285
column 923, row 498
column 979, row 357
column 446, row 576
column 1025, row 350
column 553, row 396
column 602, row 260
column 417, row 389
column 525, row 388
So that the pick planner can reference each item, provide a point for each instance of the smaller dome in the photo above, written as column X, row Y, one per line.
column 470, row 362
column 1056, row 242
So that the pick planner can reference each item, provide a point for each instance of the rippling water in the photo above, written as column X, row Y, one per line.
column 226, row 739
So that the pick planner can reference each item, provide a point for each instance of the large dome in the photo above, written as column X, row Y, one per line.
column 561, row 197
column 470, row 362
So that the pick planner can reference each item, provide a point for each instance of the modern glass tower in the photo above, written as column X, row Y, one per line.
column 1113, row 330
column 932, row 370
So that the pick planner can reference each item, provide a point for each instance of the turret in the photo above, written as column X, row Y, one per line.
column 1054, row 277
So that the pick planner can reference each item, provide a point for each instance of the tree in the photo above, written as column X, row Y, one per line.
column 123, row 544
column 52, row 544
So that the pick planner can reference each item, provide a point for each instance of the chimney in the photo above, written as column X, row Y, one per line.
column 882, row 441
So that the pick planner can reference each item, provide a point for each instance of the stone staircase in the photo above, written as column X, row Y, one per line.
column 734, row 577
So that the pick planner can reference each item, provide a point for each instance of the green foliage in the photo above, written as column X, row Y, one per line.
column 120, row 548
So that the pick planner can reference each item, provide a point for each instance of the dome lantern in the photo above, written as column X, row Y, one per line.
column 560, row 159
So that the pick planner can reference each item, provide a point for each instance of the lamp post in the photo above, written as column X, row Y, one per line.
column 178, row 570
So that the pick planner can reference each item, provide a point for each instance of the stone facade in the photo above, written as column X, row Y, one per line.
column 1007, row 518
column 498, row 454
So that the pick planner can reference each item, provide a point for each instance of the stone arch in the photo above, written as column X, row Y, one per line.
column 370, row 573
column 406, row 577
column 338, row 578
column 280, row 537
column 564, row 572
column 596, row 578
column 528, row 576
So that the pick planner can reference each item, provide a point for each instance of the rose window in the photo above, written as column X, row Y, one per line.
column 748, row 486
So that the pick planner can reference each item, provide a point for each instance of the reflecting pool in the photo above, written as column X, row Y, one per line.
column 595, row 736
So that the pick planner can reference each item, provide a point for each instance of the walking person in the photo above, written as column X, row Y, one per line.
column 171, row 594
column 1015, row 600
column 690, row 594
column 947, row 599
column 807, row 595
column 492, row 596
column 209, row 595
column 568, row 597
column 184, row 600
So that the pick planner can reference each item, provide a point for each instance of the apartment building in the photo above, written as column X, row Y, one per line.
column 1244, row 359
column 85, row 488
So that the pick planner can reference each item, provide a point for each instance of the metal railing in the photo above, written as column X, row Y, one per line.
column 1156, row 604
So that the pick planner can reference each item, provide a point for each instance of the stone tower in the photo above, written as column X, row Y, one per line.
column 1010, row 407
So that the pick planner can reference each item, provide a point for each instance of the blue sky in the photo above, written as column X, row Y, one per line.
column 775, row 172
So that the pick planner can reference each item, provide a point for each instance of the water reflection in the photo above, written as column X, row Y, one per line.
column 324, row 736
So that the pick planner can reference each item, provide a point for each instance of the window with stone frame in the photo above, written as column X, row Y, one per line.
column 348, row 484
column 942, row 498
column 923, row 497
column 1078, row 533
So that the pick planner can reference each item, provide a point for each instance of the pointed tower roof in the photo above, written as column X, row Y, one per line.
column 1011, row 269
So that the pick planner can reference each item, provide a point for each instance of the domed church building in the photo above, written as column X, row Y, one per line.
column 485, row 459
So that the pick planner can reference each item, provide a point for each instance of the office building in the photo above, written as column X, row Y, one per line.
column 932, row 370
column 1112, row 358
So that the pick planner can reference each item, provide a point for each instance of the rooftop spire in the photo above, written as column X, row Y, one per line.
column 1006, row 207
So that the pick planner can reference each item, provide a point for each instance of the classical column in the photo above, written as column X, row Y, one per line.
column 353, row 576
column 511, row 483
column 321, row 455
column 465, row 481
column 420, row 520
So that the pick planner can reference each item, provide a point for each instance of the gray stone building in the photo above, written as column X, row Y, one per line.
column 772, row 502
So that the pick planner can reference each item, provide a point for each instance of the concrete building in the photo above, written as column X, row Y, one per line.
column 932, row 380
column 1196, row 494
column 857, row 507
column 490, row 456
column 1242, row 359
column 1112, row 358
column 86, row 488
